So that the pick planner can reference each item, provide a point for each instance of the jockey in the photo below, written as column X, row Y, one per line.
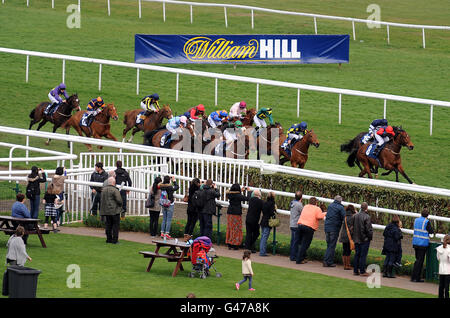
column 237, row 109
column 195, row 113
column 260, row 116
column 374, row 127
column 150, row 104
column 54, row 97
column 94, row 107
column 229, row 136
column 217, row 118
column 172, row 126
column 383, row 133
column 296, row 131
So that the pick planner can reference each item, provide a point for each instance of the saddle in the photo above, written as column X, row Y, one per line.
column 49, row 112
column 84, row 121
column 138, row 117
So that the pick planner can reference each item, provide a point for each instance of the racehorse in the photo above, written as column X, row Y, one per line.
column 265, row 139
column 299, row 152
column 99, row 128
column 59, row 116
column 152, row 122
column 389, row 157
column 242, row 143
column 352, row 147
column 153, row 138
column 247, row 120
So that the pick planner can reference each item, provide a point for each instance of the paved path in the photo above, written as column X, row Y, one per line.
column 275, row 260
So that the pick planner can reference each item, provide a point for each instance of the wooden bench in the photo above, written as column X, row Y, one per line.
column 12, row 231
column 153, row 254
column 9, row 224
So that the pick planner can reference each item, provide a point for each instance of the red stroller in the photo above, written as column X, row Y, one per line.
column 203, row 257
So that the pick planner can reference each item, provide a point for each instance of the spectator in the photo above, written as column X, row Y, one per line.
column 255, row 205
column 308, row 223
column 443, row 256
column 167, row 203
column 296, row 208
column 333, row 223
column 58, row 182
column 19, row 210
column 421, row 240
column 192, row 213
column 392, row 240
column 99, row 175
column 17, row 253
column 362, row 233
column 156, row 209
column 209, row 208
column 344, row 239
column 50, row 200
column 247, row 271
column 268, row 211
column 234, row 216
column 123, row 179
column 35, row 178
column 110, row 209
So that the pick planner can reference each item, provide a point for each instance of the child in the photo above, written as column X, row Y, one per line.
column 247, row 270
column 443, row 255
column 50, row 200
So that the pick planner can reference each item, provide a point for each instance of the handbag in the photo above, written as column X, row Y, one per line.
column 150, row 203
column 352, row 244
column 274, row 221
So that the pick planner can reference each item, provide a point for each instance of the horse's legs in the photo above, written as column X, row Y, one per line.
column 387, row 173
column 42, row 124
column 135, row 130
column 400, row 168
column 124, row 133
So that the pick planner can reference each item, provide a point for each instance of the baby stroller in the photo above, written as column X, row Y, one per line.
column 203, row 257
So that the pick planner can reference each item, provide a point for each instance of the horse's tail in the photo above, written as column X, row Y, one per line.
column 352, row 158
column 32, row 113
column 349, row 146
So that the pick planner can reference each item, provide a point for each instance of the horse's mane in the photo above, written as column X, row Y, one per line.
column 397, row 129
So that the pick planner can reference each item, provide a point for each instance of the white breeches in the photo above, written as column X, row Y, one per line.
column 259, row 122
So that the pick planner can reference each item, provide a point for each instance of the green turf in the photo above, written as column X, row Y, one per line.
column 401, row 68
column 119, row 271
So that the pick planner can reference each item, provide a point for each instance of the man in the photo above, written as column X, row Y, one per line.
column 296, row 208
column 20, row 210
column 308, row 223
column 261, row 115
column 110, row 209
column 122, row 179
column 209, row 208
column 172, row 126
column 237, row 109
column 384, row 133
column 216, row 118
column 296, row 131
column 362, row 233
column 99, row 175
column 373, row 129
column 195, row 113
column 421, row 240
column 255, row 205
column 150, row 104
column 94, row 107
column 54, row 97
column 228, row 138
column 333, row 224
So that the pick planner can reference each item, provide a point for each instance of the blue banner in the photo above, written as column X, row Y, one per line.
column 273, row 49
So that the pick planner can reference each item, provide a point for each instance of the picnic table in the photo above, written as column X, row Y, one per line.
column 8, row 225
column 177, row 252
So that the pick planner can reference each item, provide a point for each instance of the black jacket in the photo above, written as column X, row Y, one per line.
column 122, row 176
column 255, row 206
column 210, row 200
column 192, row 188
column 98, row 177
column 35, row 183
column 268, row 210
column 361, row 227
column 170, row 189
column 392, row 239
column 235, row 198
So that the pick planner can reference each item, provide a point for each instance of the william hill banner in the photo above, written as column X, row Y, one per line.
column 273, row 49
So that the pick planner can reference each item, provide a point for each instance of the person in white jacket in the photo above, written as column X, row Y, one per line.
column 443, row 256
column 17, row 254
column 247, row 270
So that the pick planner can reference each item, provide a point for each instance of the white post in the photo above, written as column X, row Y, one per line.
column 354, row 33
column 176, row 93
column 79, row 5
column 298, row 102
column 137, row 82
column 140, row 9
column 423, row 38
column 215, row 92
column 226, row 20
column 192, row 16
column 431, row 120
column 27, row 68
column 388, row 39
column 257, row 96
column 28, row 3
column 164, row 11
column 109, row 8
column 53, row 4
column 340, row 107
column 315, row 25
column 63, row 70
column 384, row 111
column 253, row 20
column 27, row 143
column 99, row 77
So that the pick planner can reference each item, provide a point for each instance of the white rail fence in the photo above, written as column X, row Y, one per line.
column 217, row 76
column 254, row 9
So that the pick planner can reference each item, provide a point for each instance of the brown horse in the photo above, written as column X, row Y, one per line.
column 265, row 140
column 58, row 117
column 247, row 120
column 99, row 128
column 389, row 157
column 154, row 138
column 299, row 152
column 152, row 122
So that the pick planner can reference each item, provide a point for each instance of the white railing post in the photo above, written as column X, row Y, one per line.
column 27, row 143
column 177, row 87
column 79, row 5
column 257, row 96
column 140, row 9
column 315, row 25
column 192, row 15
column 63, row 70
column 253, row 20
column 109, row 8
column 100, row 77
column 423, row 37
column 164, row 11
column 28, row 3
column 215, row 92
column 340, row 108
column 226, row 19
column 431, row 120
column 298, row 102
column 384, row 109
column 354, row 33
column 27, row 67
column 137, row 81
column 53, row 4
column 388, row 39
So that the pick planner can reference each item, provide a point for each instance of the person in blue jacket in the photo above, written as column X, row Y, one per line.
column 421, row 240
column 333, row 224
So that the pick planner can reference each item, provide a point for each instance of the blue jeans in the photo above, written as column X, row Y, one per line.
column 250, row 278
column 294, row 243
column 167, row 219
column 331, row 238
column 361, row 251
column 34, row 206
column 265, row 232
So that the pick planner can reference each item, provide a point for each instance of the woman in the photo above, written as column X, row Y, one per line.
column 58, row 183
column 268, row 210
column 34, row 190
column 17, row 254
column 234, row 217
column 443, row 256
column 167, row 203
column 156, row 209
column 192, row 213
column 344, row 239
column 392, row 240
